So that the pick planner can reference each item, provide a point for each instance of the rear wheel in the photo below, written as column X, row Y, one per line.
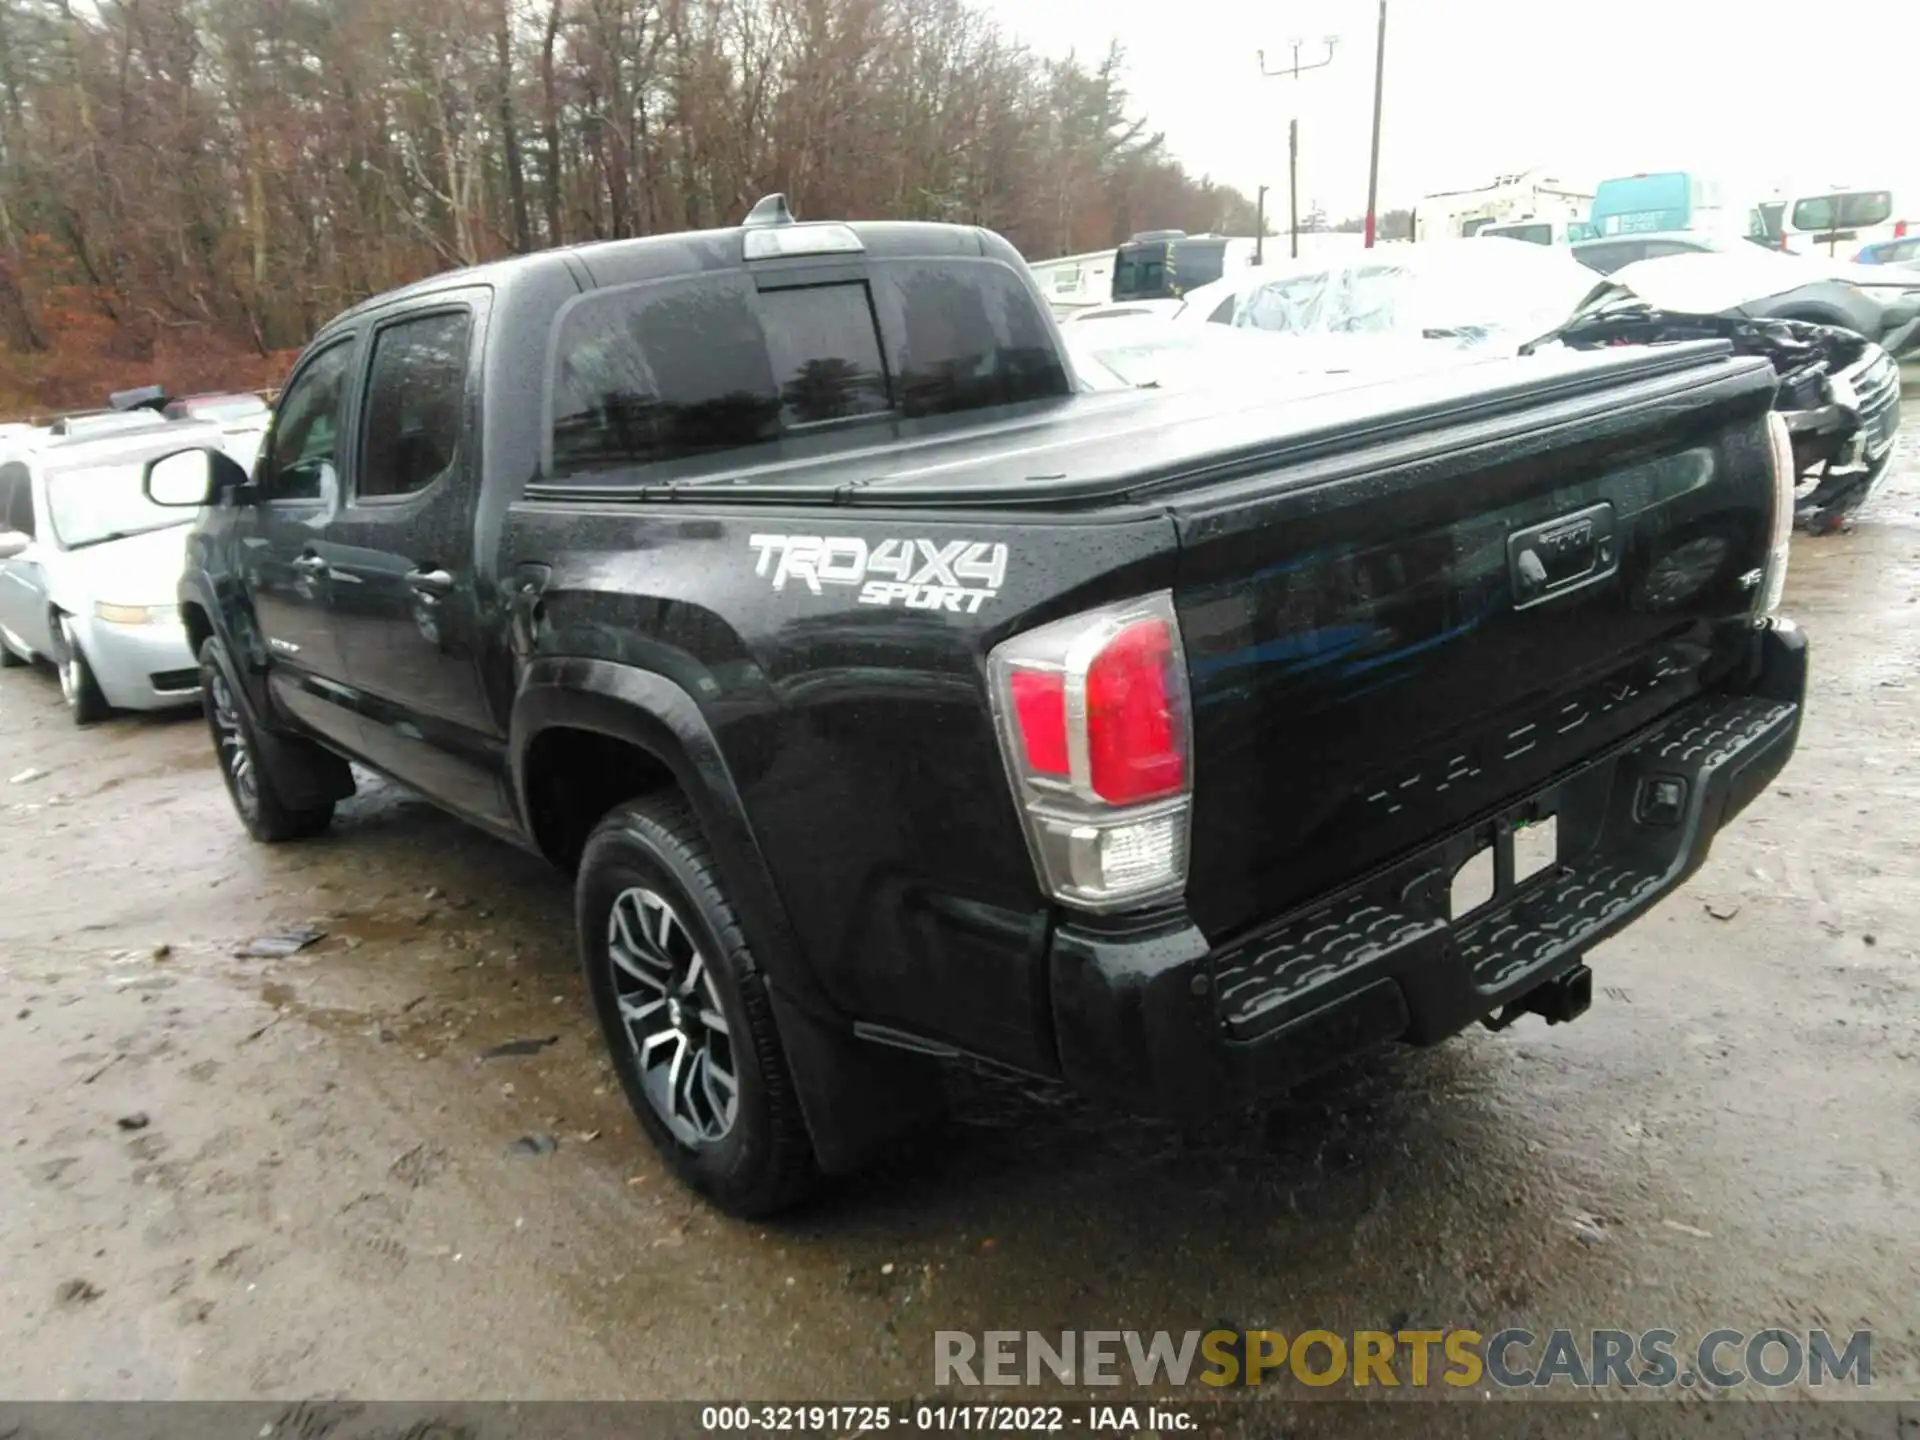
column 78, row 686
column 685, row 1010
column 267, row 817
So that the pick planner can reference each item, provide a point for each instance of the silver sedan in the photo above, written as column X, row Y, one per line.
column 88, row 571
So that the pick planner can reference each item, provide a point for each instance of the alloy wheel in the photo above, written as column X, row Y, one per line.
column 231, row 743
column 670, row 1009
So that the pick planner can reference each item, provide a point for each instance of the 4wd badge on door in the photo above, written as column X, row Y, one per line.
column 955, row 575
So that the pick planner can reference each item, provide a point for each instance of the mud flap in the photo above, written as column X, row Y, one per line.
column 855, row 1096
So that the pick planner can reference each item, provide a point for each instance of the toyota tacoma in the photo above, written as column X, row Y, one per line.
column 896, row 700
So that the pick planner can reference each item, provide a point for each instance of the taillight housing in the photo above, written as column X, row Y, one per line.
column 1773, row 576
column 1095, row 725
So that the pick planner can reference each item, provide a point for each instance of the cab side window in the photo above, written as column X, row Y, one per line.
column 416, row 402
column 304, row 445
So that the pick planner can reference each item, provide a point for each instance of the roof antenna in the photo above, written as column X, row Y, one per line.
column 773, row 210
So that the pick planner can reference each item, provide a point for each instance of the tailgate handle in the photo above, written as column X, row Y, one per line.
column 1566, row 553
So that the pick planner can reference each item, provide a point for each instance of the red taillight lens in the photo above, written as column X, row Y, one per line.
column 1900, row 230
column 1133, row 742
column 1040, row 710
column 1096, row 730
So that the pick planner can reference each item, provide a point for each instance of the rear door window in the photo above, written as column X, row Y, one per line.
column 416, row 398
column 1141, row 274
column 1849, row 209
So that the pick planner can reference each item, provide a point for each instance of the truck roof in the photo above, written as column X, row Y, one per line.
column 598, row 263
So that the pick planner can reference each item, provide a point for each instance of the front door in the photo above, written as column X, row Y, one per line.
column 23, row 588
column 286, row 547
column 406, row 592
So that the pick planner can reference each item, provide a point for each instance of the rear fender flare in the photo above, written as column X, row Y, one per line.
column 855, row 1097
column 654, row 714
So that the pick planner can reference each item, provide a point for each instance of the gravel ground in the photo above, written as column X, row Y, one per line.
column 295, row 1177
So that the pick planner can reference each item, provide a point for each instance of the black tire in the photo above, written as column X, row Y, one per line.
column 268, row 818
column 78, row 685
column 760, row 1160
column 8, row 660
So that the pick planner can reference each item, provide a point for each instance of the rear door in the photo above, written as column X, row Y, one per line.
column 284, row 542
column 406, row 592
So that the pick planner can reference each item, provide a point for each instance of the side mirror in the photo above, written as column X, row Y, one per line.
column 187, row 479
column 12, row 542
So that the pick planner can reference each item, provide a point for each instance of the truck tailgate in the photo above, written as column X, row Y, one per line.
column 1390, row 642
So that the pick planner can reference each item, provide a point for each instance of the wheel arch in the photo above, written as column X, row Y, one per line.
column 854, row 1096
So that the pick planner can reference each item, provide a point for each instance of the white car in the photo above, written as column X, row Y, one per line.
column 1124, row 310
column 89, row 567
column 1451, row 303
column 1463, row 293
column 1146, row 353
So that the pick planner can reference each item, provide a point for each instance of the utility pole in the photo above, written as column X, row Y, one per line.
column 1379, row 82
column 1260, row 227
column 1293, row 131
column 1293, row 184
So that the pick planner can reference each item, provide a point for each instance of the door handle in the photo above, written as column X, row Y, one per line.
column 431, row 582
column 310, row 565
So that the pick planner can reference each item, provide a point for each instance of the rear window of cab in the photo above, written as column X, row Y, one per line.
column 669, row 370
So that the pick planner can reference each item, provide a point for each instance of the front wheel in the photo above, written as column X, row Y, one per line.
column 78, row 685
column 685, row 1010
column 267, row 817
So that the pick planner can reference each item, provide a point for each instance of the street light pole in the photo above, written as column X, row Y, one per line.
column 1293, row 131
column 1379, row 82
column 1260, row 227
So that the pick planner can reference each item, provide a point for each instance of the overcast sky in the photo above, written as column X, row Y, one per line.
column 1756, row 93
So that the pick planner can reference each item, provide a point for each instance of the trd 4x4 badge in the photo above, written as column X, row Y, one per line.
column 957, row 575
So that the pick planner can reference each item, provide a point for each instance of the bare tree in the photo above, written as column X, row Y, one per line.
column 215, row 177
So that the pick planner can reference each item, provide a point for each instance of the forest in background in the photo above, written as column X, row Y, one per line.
column 189, row 187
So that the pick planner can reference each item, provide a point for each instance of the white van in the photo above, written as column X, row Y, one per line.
column 1840, row 221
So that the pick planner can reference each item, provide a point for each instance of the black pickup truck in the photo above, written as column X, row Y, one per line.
column 896, row 701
